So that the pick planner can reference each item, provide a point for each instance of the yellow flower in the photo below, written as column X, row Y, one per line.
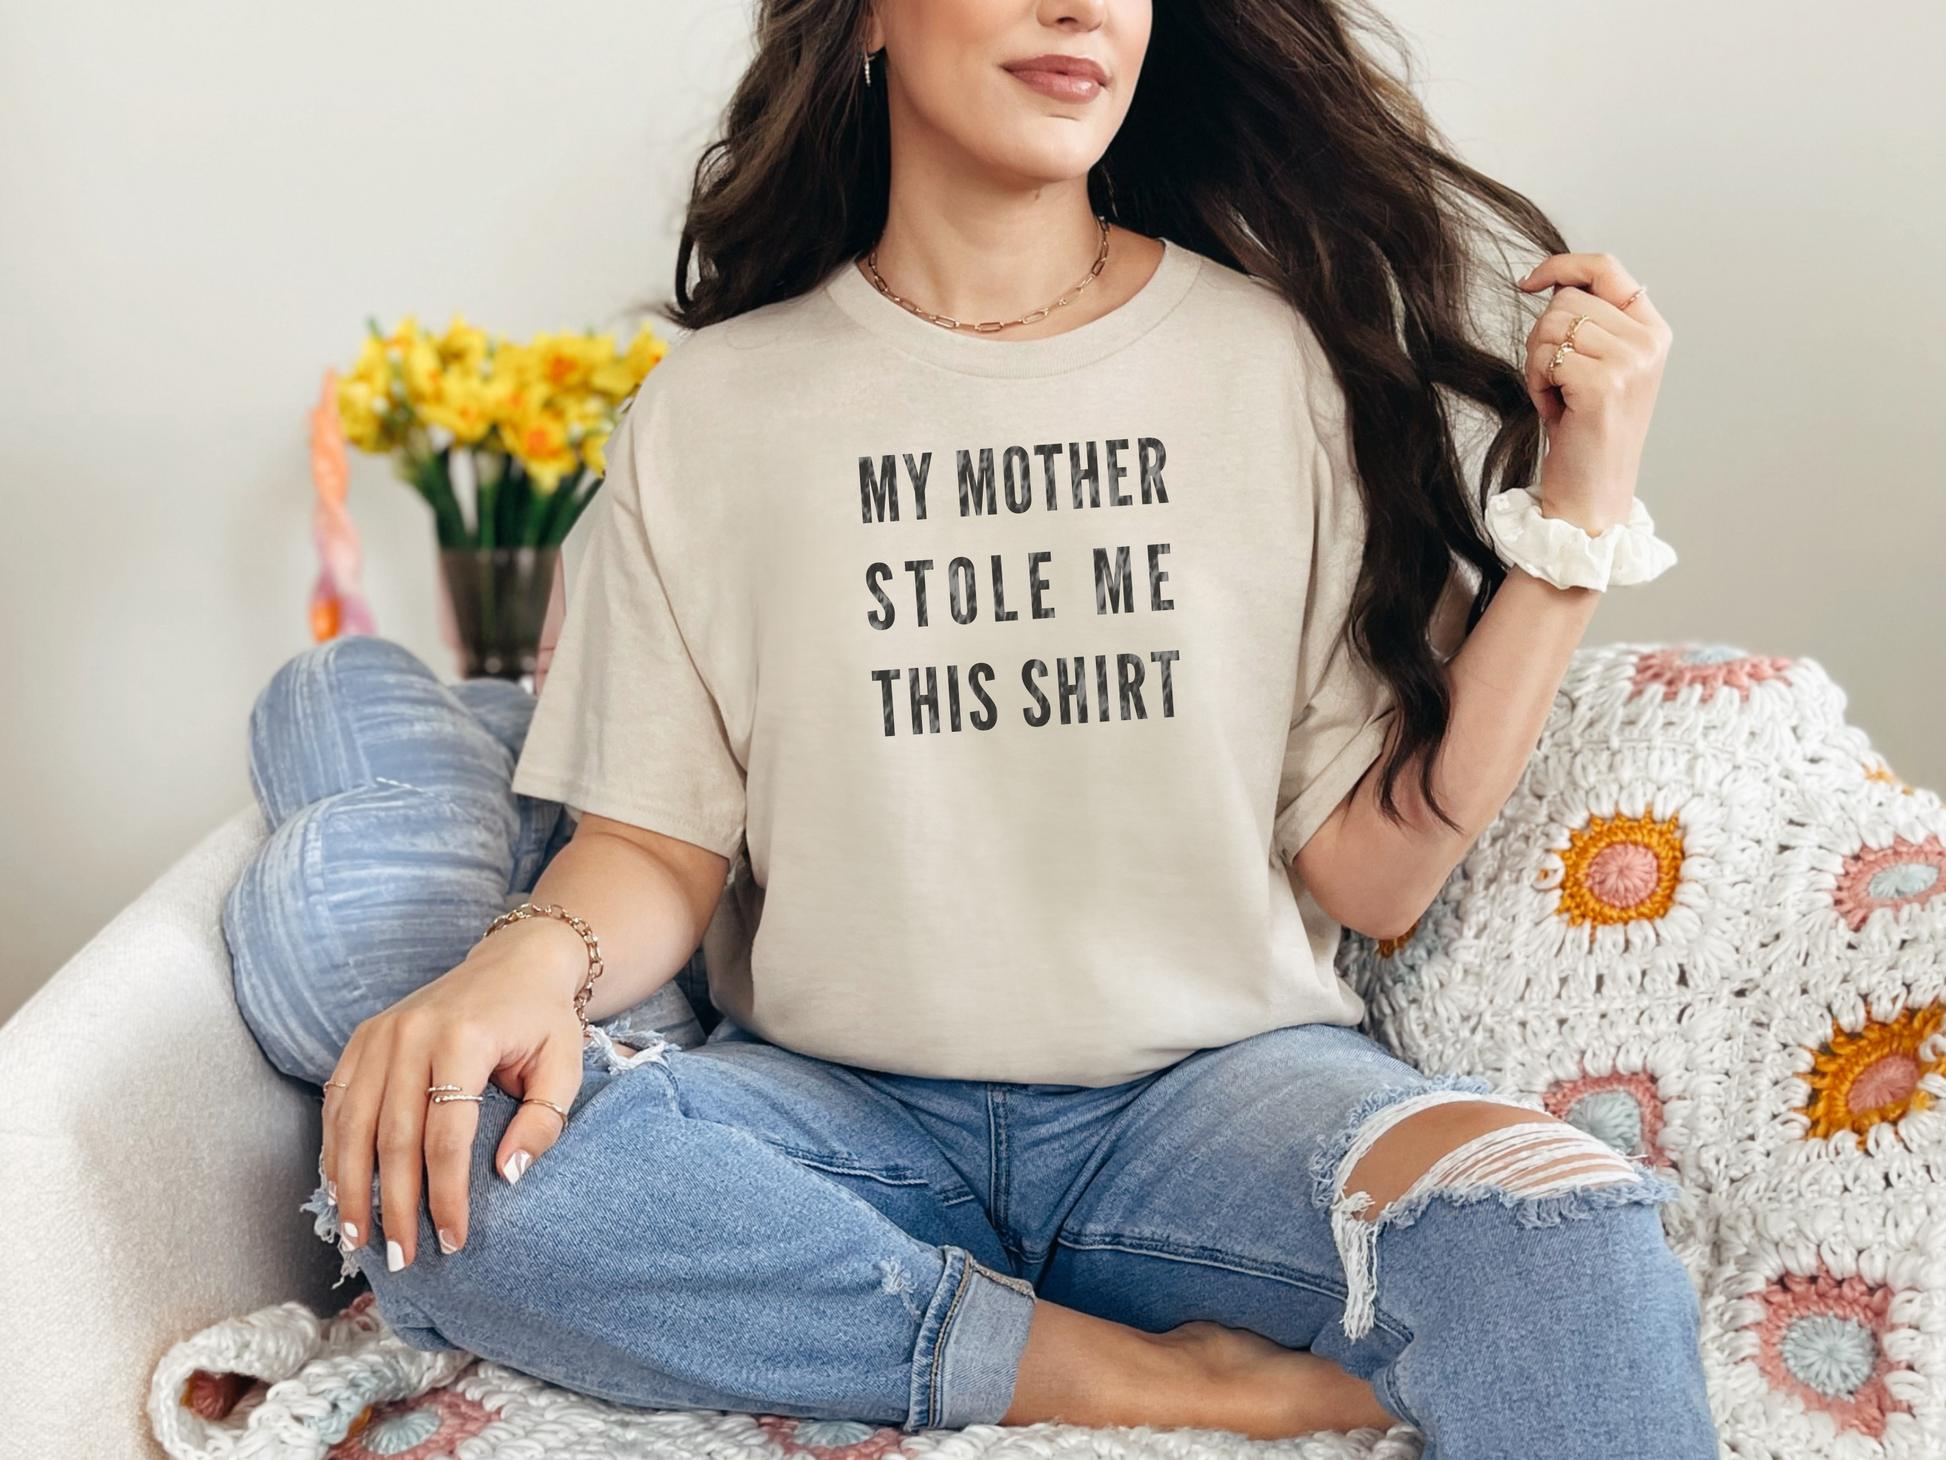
column 612, row 379
column 406, row 335
column 461, row 408
column 424, row 374
column 512, row 392
column 594, row 450
column 550, row 402
column 364, row 426
column 540, row 440
column 564, row 361
column 616, row 375
column 645, row 351
column 463, row 347
column 373, row 368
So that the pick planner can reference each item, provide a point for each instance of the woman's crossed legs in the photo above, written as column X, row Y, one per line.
column 742, row 1227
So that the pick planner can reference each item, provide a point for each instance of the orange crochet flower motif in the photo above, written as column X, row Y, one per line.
column 1860, row 1080
column 1621, row 869
column 1674, row 669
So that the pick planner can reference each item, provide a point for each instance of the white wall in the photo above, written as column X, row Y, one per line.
column 200, row 203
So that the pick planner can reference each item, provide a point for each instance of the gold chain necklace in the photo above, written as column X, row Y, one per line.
column 948, row 322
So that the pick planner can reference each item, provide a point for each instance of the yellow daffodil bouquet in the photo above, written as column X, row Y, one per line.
column 504, row 441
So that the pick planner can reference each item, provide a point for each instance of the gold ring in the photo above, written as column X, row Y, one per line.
column 537, row 1100
column 1630, row 303
column 1561, row 353
column 1579, row 320
column 441, row 1094
column 336, row 1085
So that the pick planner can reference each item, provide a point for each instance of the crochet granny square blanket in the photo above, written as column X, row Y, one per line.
column 1709, row 927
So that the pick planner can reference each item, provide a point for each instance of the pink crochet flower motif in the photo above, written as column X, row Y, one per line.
column 831, row 1439
column 1710, row 666
column 1904, row 874
column 1820, row 1340
column 429, row 1426
column 1623, row 1110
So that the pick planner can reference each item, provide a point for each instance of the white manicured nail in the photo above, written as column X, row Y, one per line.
column 516, row 1166
column 350, row 1229
column 331, row 1190
column 446, row 1243
column 394, row 1257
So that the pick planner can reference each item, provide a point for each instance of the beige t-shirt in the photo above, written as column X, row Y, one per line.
column 1018, row 667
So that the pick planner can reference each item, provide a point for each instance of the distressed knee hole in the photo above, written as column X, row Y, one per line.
column 1480, row 1143
column 1527, row 1161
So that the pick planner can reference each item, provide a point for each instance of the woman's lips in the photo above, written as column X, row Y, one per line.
column 1063, row 79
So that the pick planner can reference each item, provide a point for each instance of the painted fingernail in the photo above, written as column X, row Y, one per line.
column 516, row 1166
column 446, row 1243
column 331, row 1189
column 350, row 1229
column 394, row 1257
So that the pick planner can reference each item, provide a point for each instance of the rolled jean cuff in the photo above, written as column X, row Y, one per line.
column 970, row 1342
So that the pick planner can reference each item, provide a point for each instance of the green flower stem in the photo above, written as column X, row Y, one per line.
column 564, row 507
column 515, row 489
column 433, row 482
column 509, row 511
column 487, row 511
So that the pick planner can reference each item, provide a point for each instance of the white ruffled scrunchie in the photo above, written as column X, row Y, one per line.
column 1560, row 553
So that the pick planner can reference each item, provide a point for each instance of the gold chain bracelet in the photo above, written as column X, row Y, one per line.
column 528, row 910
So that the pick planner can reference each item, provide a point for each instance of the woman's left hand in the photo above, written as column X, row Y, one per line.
column 1596, row 403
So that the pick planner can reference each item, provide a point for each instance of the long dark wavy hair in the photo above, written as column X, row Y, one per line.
column 1271, row 136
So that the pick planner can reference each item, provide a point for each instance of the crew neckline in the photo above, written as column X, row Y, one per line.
column 1101, row 336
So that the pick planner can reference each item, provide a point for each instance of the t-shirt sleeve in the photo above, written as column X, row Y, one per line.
column 626, row 726
column 1342, row 710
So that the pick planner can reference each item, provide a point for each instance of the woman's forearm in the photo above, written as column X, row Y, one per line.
column 1377, row 875
column 1594, row 363
column 647, row 897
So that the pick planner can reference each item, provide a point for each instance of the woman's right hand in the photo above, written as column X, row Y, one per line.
column 507, row 1014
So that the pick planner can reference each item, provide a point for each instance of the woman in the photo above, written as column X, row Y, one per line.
column 1059, row 686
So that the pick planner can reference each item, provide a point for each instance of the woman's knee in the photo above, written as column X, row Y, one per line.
column 501, row 706
column 1466, row 1148
column 353, row 903
column 1465, row 1145
column 358, row 710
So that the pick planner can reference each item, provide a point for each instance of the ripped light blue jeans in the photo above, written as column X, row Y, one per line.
column 728, row 1224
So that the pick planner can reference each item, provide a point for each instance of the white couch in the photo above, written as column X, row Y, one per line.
column 151, row 1167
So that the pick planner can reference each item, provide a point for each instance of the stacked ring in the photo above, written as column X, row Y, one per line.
column 443, row 1093
column 1565, row 349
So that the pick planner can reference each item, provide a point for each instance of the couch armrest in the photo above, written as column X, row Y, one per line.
column 151, row 1165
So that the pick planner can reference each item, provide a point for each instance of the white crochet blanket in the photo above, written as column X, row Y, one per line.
column 347, row 1388
column 1709, row 927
